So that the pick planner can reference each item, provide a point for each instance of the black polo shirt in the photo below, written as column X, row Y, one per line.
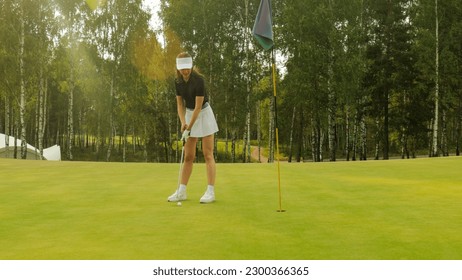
column 189, row 90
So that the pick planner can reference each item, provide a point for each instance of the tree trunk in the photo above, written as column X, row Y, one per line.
column 246, row 146
column 313, row 141
column 233, row 147
column 70, row 109
column 347, row 133
column 226, row 136
column 363, row 135
column 291, row 137
column 111, row 120
column 177, row 157
column 42, row 112
column 437, row 98
column 301, row 129
column 331, row 110
column 16, row 136
column 271, row 134
column 386, row 128
column 81, row 132
column 430, row 135
column 444, row 135
column 247, row 122
column 7, row 126
column 215, row 145
column 145, row 144
column 70, row 117
column 22, row 102
column 355, row 143
column 135, row 137
column 404, row 135
column 98, row 135
column 259, row 129
column 170, row 121
column 124, row 142
column 404, row 144
column 316, row 140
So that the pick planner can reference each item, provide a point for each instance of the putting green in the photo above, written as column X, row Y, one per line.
column 396, row 209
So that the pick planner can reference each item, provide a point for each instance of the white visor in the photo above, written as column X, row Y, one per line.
column 184, row 63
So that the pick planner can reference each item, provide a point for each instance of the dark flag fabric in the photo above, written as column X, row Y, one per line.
column 263, row 27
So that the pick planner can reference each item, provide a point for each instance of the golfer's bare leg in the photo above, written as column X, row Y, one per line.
column 207, row 147
column 189, row 156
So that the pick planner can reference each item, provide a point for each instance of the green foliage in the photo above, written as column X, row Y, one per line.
column 355, row 75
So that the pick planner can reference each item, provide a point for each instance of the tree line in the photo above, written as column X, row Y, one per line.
column 356, row 79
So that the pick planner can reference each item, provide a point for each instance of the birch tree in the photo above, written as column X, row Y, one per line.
column 437, row 97
column 9, row 42
column 22, row 98
column 45, row 33
column 72, row 14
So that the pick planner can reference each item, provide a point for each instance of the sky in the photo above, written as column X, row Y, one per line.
column 154, row 7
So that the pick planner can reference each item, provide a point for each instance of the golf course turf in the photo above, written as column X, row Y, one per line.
column 368, row 210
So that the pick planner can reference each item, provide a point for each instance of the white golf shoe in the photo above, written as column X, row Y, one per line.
column 209, row 196
column 178, row 195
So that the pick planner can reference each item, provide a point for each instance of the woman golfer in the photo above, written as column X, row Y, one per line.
column 197, row 121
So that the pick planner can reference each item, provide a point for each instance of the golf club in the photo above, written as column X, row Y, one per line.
column 181, row 169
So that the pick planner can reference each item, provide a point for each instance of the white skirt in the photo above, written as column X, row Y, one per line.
column 205, row 124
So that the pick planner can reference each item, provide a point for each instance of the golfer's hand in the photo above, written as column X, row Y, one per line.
column 184, row 126
column 185, row 135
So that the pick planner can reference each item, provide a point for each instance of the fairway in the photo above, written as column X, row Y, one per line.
column 395, row 209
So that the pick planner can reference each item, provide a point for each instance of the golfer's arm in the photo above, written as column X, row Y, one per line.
column 197, row 110
column 181, row 110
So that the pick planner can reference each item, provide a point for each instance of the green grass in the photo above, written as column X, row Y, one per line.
column 397, row 209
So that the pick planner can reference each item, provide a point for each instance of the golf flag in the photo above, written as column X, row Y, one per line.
column 263, row 27
column 263, row 32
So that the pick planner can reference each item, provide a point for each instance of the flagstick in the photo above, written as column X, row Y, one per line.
column 277, row 130
column 263, row 32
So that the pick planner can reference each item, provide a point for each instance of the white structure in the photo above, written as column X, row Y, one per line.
column 51, row 153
